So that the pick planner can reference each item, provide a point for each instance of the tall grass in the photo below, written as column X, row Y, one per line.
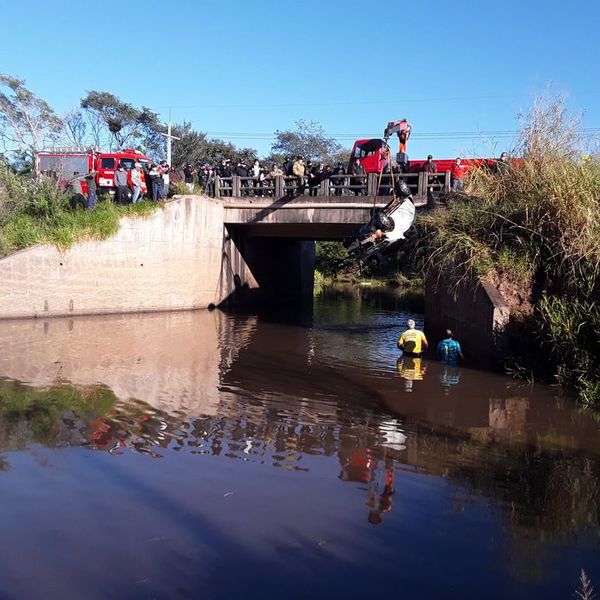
column 38, row 212
column 536, row 225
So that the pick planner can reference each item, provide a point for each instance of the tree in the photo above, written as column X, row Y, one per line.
column 27, row 123
column 329, row 258
column 194, row 147
column 123, row 125
column 75, row 130
column 307, row 140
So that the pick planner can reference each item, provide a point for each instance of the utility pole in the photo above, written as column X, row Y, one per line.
column 169, row 138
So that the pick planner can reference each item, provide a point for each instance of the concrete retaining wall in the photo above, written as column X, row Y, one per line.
column 177, row 258
column 475, row 311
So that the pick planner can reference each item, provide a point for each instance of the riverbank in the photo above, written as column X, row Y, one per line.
column 394, row 280
column 532, row 231
column 38, row 212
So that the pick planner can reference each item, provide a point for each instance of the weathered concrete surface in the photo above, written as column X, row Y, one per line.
column 303, row 217
column 282, row 268
column 474, row 310
column 177, row 258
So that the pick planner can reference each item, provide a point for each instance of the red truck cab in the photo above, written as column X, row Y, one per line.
column 372, row 154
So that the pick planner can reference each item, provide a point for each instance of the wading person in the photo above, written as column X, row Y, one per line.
column 449, row 350
column 412, row 342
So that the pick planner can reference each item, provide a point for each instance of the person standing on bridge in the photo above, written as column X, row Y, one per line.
column 299, row 170
column 241, row 170
column 449, row 350
column 430, row 168
column 457, row 175
column 338, row 182
column 225, row 174
column 412, row 342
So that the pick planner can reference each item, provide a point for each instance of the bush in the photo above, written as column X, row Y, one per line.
column 536, row 226
column 329, row 257
column 37, row 212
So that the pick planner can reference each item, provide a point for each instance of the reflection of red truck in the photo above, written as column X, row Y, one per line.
column 62, row 164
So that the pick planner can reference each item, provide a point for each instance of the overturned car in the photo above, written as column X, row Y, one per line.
column 384, row 230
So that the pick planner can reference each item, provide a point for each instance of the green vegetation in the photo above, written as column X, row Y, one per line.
column 33, row 213
column 397, row 270
column 533, row 228
column 42, row 409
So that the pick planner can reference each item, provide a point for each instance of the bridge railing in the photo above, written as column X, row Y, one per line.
column 343, row 184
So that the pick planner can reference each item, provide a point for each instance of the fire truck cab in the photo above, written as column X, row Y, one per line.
column 62, row 165
column 372, row 154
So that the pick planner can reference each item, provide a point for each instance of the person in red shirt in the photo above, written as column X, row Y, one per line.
column 457, row 175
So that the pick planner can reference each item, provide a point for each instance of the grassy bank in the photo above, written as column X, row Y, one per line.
column 33, row 213
column 534, row 230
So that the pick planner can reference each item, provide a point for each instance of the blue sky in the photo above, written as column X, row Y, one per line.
column 240, row 68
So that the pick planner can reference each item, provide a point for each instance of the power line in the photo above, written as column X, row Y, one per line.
column 433, row 135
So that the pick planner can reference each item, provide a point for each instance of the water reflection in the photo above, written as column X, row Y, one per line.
column 326, row 401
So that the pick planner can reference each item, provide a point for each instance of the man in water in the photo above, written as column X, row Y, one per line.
column 449, row 350
column 412, row 342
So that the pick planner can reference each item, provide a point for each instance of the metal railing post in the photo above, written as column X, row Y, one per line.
column 447, row 181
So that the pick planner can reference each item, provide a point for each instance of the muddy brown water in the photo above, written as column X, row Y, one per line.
column 284, row 455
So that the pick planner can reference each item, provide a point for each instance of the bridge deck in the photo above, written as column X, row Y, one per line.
column 302, row 217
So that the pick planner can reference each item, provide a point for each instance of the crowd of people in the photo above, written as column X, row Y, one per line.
column 259, row 178
column 156, row 180
column 160, row 180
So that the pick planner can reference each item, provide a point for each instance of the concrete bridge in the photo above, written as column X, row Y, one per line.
column 302, row 217
column 273, row 227
column 246, row 245
column 280, row 207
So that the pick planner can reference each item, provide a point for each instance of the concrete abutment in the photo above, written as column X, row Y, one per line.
column 178, row 258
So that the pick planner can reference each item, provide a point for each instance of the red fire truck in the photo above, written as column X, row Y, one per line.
column 374, row 154
column 62, row 164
